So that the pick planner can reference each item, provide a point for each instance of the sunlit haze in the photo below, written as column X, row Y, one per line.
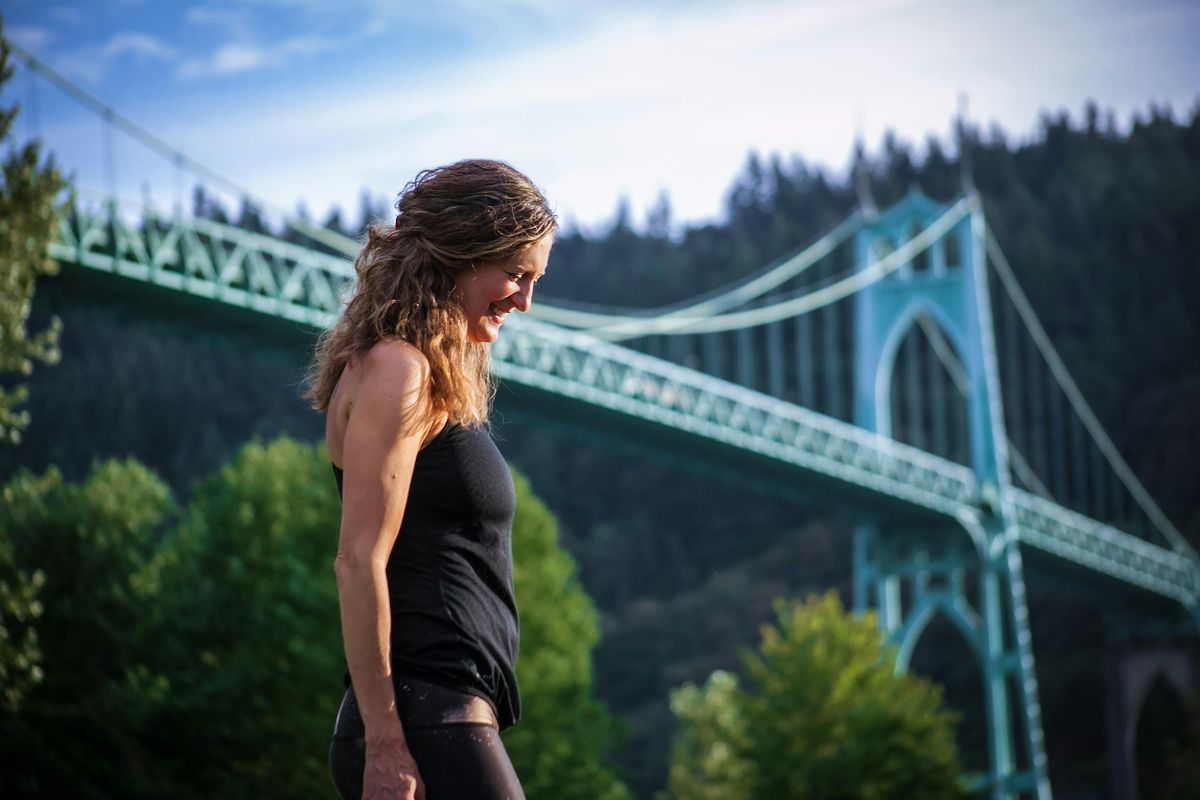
column 306, row 102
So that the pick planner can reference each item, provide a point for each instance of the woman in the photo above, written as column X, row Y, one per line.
column 424, row 560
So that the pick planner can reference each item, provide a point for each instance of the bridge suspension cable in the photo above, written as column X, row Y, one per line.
column 944, row 352
column 678, row 324
column 1059, row 371
column 700, row 316
column 723, row 297
column 113, row 118
column 1025, row 472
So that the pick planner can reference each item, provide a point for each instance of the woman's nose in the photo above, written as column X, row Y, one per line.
column 523, row 299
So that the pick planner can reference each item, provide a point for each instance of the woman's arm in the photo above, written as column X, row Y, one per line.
column 386, row 424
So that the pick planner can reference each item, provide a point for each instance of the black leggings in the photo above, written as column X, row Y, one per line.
column 457, row 760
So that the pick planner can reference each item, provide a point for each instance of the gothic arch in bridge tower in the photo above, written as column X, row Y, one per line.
column 1130, row 674
column 950, row 289
column 921, row 388
column 905, row 322
column 945, row 646
column 922, row 614
column 948, row 294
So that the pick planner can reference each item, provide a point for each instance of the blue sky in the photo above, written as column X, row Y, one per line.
column 308, row 101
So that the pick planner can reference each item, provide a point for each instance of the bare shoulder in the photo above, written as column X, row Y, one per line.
column 394, row 372
column 385, row 390
column 392, row 362
column 392, row 388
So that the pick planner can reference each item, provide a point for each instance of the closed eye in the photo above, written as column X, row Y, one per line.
column 520, row 276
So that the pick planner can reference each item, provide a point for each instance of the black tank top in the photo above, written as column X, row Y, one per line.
column 454, row 619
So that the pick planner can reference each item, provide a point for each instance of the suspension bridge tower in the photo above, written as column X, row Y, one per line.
column 912, row 571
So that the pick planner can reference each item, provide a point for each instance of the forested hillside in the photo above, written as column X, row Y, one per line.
column 1099, row 223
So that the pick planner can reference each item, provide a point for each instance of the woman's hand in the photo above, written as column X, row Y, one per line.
column 391, row 773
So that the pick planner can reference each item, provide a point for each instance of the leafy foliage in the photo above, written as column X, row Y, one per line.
column 28, row 216
column 197, row 653
column 77, row 732
column 825, row 717
column 20, row 655
column 710, row 758
column 247, row 628
column 559, row 749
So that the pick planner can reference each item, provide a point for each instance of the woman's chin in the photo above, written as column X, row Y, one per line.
column 485, row 334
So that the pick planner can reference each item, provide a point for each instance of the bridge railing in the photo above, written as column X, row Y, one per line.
column 578, row 365
column 205, row 258
column 1049, row 526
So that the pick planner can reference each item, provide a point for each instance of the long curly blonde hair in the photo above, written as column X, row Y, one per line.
column 452, row 218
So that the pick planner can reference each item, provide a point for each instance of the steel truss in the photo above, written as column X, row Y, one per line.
column 209, row 260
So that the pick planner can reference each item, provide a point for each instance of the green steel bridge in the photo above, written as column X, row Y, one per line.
column 892, row 371
column 920, row 294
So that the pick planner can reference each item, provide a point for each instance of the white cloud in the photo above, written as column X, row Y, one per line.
column 91, row 64
column 244, row 49
column 233, row 58
column 139, row 45
column 635, row 100
column 375, row 26
column 651, row 101
column 235, row 21
column 31, row 37
column 628, row 108
column 308, row 46
column 67, row 15
column 239, row 57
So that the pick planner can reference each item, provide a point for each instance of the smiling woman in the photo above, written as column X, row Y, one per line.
column 492, row 293
column 424, row 560
column 469, row 242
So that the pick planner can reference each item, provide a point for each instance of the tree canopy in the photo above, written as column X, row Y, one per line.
column 29, row 215
column 195, row 651
column 824, row 716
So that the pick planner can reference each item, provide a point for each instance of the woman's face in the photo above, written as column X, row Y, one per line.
column 490, row 292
